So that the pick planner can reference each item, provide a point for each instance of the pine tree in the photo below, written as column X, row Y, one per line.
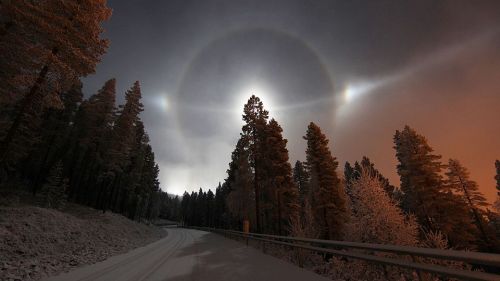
column 420, row 175
column 328, row 198
column 185, row 203
column 301, row 179
column 255, row 118
column 121, row 143
column 370, row 167
column 193, row 217
column 54, row 138
column 280, row 194
column 221, row 219
column 241, row 199
column 149, row 183
column 353, row 173
column 497, row 178
column 93, row 124
column 349, row 176
column 496, row 204
column 54, row 190
column 349, row 172
column 201, row 208
column 175, row 208
column 47, row 46
column 374, row 218
column 424, row 193
column 494, row 215
column 210, row 208
column 459, row 182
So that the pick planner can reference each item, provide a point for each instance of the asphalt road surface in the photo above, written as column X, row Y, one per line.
column 193, row 255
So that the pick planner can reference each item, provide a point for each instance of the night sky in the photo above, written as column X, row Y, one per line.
column 359, row 69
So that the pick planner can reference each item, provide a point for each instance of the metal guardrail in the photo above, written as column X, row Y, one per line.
column 338, row 248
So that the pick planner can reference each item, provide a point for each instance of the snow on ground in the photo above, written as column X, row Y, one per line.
column 37, row 242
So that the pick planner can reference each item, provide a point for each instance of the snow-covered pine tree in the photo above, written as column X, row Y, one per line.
column 376, row 218
column 352, row 173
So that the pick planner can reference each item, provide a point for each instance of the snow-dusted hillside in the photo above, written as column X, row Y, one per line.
column 37, row 242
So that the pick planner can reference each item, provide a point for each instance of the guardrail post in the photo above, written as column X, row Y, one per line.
column 246, row 229
column 419, row 274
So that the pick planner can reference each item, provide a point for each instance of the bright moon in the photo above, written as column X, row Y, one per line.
column 258, row 91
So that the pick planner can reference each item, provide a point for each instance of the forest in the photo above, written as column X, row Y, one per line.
column 63, row 147
column 436, row 205
column 53, row 142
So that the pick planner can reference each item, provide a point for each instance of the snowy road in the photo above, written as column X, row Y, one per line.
column 193, row 255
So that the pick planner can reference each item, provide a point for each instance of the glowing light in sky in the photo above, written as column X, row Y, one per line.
column 161, row 101
column 356, row 90
column 164, row 103
column 257, row 90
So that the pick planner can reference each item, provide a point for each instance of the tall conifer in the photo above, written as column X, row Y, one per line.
column 424, row 192
column 301, row 179
column 241, row 199
column 93, row 124
column 497, row 177
column 280, row 193
column 255, row 118
column 328, row 199
column 459, row 182
column 47, row 47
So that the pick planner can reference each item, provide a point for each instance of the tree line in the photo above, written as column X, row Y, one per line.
column 435, row 201
column 52, row 140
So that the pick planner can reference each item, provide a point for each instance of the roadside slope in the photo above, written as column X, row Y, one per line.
column 37, row 242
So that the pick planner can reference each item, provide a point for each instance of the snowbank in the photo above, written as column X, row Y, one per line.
column 37, row 242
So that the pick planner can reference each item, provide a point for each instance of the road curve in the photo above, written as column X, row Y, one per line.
column 193, row 255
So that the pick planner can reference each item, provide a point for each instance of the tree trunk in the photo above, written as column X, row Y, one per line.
column 326, row 228
column 257, row 201
column 279, row 212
